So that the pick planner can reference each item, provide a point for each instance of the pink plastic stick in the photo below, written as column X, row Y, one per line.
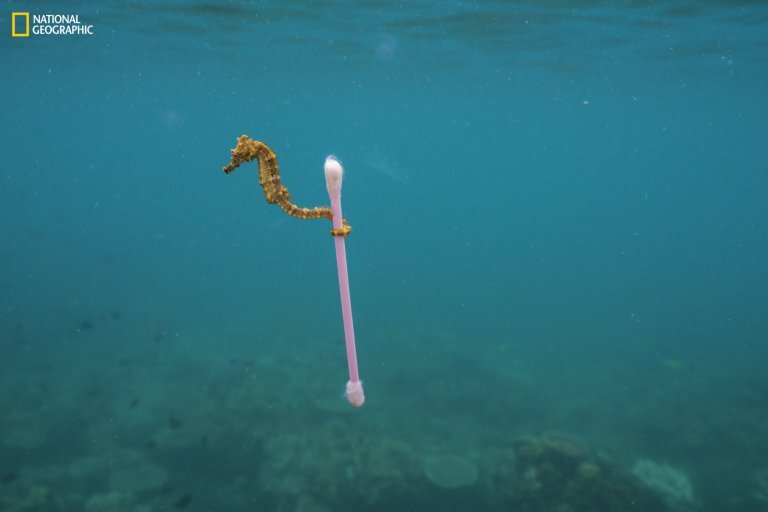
column 334, row 173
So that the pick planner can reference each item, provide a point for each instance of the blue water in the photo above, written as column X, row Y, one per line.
column 560, row 241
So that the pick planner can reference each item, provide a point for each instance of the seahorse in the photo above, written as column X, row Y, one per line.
column 247, row 150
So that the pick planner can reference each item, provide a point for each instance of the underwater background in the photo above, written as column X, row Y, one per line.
column 558, row 263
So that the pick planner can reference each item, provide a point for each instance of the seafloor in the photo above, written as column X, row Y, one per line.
column 231, row 421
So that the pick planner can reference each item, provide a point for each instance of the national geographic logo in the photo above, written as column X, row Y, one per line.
column 48, row 25
column 20, row 24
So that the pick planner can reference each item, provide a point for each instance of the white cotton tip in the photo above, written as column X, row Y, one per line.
column 354, row 393
column 333, row 175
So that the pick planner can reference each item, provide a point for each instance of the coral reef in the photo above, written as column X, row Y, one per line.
column 670, row 483
column 555, row 473
column 449, row 471
column 333, row 467
column 28, row 497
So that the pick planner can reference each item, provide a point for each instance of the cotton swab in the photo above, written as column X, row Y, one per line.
column 334, row 174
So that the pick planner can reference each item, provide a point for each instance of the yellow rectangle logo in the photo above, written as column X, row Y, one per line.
column 15, row 22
